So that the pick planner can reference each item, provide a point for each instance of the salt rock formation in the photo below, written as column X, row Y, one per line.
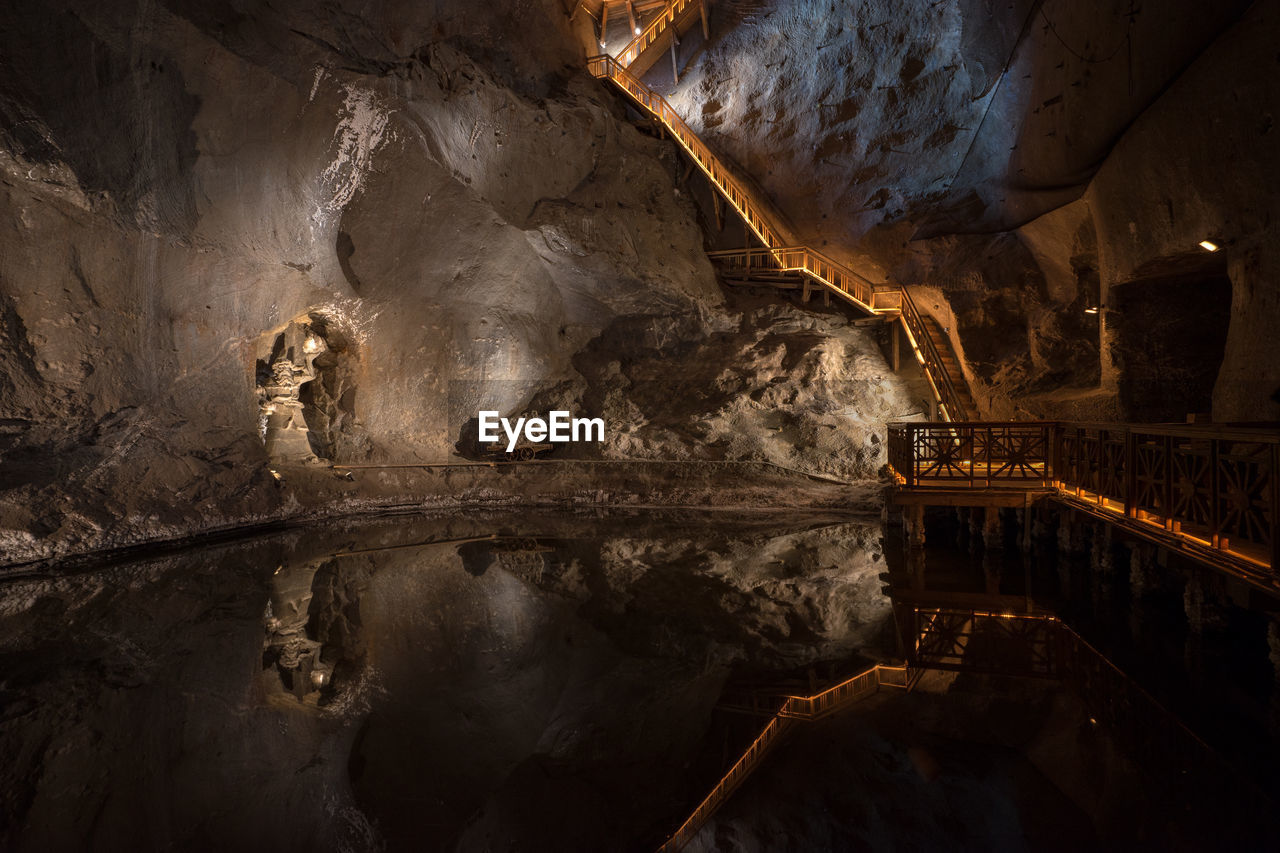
column 1022, row 161
column 438, row 192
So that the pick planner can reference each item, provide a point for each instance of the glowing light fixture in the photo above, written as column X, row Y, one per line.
column 637, row 31
column 1208, row 245
column 310, row 345
column 1091, row 310
column 274, row 473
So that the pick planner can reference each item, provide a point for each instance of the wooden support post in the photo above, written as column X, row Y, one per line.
column 717, row 205
column 706, row 25
column 631, row 16
column 675, row 66
column 826, row 296
column 1166, row 467
column 688, row 170
column 1275, row 508
column 895, row 347
column 1215, row 502
column 1026, row 528
column 1130, row 474
column 604, row 24
column 806, row 289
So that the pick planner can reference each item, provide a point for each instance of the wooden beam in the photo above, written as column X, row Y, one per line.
column 895, row 347
column 717, row 205
column 675, row 67
column 706, row 26
column 604, row 24
column 631, row 15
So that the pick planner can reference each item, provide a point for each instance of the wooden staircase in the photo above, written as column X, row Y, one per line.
column 940, row 342
column 777, row 261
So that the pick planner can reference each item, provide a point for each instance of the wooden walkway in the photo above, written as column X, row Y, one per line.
column 1210, row 492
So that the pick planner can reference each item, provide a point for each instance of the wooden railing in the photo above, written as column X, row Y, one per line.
column 776, row 256
column 1210, row 488
column 656, row 28
column 793, row 709
column 1217, row 485
column 972, row 454
column 819, row 267
column 608, row 68
column 944, row 384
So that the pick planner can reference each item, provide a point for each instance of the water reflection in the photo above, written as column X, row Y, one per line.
column 416, row 683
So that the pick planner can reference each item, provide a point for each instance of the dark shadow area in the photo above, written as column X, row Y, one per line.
column 1170, row 333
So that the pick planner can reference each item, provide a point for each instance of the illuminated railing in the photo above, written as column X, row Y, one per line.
column 775, row 256
column 1210, row 488
column 971, row 454
column 812, row 264
column 669, row 17
column 793, row 709
column 945, row 387
column 608, row 68
column 1215, row 486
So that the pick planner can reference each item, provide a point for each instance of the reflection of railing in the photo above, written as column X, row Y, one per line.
column 1212, row 488
column 793, row 709
column 994, row 643
column 1042, row 646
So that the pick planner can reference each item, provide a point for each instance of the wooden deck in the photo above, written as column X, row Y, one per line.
column 1208, row 492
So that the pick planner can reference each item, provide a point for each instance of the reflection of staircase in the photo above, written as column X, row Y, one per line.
column 795, row 708
column 777, row 262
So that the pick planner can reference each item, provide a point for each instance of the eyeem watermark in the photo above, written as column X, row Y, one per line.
column 558, row 428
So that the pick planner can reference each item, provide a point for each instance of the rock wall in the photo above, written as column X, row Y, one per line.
column 435, row 195
column 1019, row 160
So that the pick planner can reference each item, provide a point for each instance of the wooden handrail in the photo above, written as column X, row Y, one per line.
column 776, row 254
column 944, row 388
column 667, row 17
column 1211, row 491
column 608, row 68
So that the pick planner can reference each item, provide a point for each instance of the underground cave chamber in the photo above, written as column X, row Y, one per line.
column 700, row 425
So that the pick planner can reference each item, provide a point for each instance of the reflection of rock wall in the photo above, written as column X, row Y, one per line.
column 141, row 702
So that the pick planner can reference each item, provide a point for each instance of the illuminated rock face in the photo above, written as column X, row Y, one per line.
column 444, row 187
column 444, row 190
column 1022, row 161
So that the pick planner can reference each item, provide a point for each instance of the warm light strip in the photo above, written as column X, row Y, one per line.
column 741, row 201
column 756, row 750
column 650, row 34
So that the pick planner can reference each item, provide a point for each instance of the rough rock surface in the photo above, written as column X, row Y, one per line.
column 1018, row 161
column 437, row 191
